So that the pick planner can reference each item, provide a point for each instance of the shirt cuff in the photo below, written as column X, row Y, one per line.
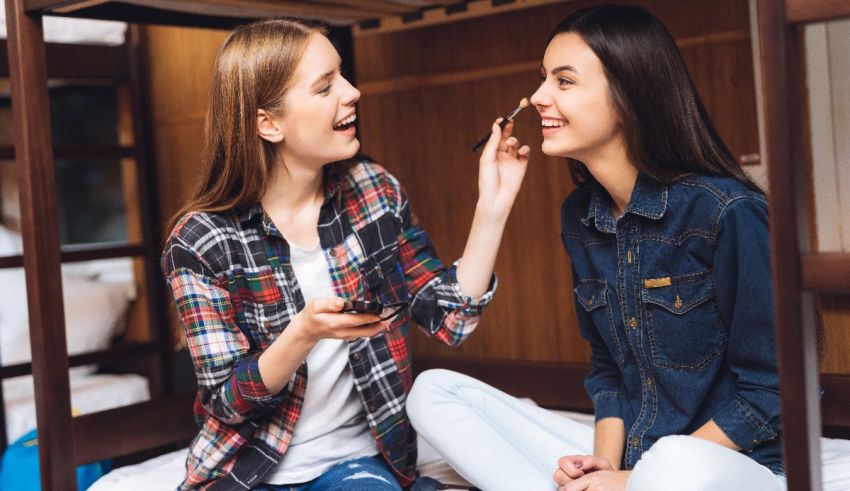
column 248, row 393
column 470, row 306
column 606, row 404
column 744, row 425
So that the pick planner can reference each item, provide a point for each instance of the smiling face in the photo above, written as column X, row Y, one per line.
column 319, row 108
column 578, row 115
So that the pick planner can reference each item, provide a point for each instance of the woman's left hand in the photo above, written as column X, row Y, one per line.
column 599, row 481
column 501, row 169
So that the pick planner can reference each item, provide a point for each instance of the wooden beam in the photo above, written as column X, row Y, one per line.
column 130, row 429
column 114, row 354
column 797, row 343
column 800, row 11
column 826, row 271
column 40, row 231
column 86, row 252
column 78, row 62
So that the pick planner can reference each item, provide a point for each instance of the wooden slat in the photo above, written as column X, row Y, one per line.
column 799, row 11
column 78, row 62
column 797, row 344
column 72, row 254
column 115, row 353
column 80, row 152
column 826, row 271
column 214, row 13
column 836, row 400
column 130, row 429
column 40, row 231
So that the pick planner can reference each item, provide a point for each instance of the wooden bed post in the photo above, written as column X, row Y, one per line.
column 795, row 330
column 40, row 231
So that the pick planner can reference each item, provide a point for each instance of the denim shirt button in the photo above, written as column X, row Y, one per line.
column 649, row 382
column 635, row 442
column 633, row 323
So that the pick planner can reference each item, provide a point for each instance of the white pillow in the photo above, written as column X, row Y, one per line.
column 10, row 242
column 95, row 314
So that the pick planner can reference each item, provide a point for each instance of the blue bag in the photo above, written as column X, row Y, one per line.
column 19, row 469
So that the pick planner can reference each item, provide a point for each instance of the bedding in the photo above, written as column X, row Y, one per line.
column 89, row 393
column 166, row 471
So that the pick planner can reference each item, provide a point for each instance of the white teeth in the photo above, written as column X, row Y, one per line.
column 346, row 121
column 551, row 123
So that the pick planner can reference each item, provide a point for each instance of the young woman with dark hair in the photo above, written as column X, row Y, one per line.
column 294, row 391
column 671, row 267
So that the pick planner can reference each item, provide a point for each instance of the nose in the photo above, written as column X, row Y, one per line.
column 351, row 94
column 540, row 98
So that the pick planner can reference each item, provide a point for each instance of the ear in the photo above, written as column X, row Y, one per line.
column 269, row 126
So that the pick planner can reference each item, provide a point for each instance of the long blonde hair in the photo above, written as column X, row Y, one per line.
column 253, row 70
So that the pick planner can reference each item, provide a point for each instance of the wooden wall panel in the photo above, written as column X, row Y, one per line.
column 430, row 92
column 181, row 62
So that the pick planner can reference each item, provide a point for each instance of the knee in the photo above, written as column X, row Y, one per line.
column 676, row 462
column 429, row 388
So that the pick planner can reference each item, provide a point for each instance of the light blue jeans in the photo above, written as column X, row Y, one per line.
column 498, row 442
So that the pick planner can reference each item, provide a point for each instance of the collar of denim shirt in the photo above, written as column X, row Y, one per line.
column 649, row 199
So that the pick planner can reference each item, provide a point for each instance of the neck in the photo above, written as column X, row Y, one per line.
column 293, row 187
column 612, row 168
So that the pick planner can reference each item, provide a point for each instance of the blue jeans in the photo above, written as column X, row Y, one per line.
column 363, row 474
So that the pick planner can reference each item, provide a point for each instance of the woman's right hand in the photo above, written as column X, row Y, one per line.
column 572, row 467
column 321, row 319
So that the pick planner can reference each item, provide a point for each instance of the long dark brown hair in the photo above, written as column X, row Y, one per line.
column 667, row 129
column 253, row 70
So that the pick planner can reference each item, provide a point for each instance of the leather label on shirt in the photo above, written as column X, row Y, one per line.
column 657, row 282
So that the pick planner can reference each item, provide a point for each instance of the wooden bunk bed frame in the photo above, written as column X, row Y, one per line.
column 65, row 442
column 118, row 66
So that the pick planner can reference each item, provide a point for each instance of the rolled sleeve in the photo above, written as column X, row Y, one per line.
column 607, row 404
column 744, row 425
column 229, row 384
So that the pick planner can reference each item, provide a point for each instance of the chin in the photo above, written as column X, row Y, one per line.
column 553, row 149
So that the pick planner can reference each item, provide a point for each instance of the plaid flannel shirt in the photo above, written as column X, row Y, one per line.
column 235, row 291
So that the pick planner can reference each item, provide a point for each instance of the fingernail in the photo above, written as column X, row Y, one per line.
column 578, row 464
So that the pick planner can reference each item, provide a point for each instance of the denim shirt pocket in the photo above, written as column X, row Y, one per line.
column 592, row 295
column 683, row 321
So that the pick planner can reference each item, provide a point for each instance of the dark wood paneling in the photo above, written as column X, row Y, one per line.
column 40, row 231
column 116, row 353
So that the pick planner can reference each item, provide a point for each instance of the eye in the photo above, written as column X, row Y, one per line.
column 565, row 82
column 325, row 90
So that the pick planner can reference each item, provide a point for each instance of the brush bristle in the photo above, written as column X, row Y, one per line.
column 523, row 103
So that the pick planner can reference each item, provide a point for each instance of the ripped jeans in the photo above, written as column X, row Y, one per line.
column 363, row 474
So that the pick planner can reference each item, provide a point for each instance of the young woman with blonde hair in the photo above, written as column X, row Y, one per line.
column 285, row 227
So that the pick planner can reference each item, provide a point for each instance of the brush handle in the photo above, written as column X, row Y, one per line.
column 486, row 137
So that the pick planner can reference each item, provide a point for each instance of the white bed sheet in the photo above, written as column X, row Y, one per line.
column 166, row 471
column 89, row 393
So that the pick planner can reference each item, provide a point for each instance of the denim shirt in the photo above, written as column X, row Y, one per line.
column 675, row 299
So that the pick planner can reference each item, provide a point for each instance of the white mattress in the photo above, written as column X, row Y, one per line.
column 89, row 393
column 166, row 471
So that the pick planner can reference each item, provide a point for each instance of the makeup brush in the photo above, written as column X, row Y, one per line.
column 522, row 105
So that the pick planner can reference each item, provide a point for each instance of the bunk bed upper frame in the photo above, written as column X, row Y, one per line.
column 65, row 442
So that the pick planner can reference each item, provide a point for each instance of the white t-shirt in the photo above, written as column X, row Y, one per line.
column 332, row 426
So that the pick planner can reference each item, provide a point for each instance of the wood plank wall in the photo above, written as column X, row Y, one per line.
column 430, row 93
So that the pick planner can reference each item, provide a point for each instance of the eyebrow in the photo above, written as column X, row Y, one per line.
column 324, row 76
column 561, row 68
